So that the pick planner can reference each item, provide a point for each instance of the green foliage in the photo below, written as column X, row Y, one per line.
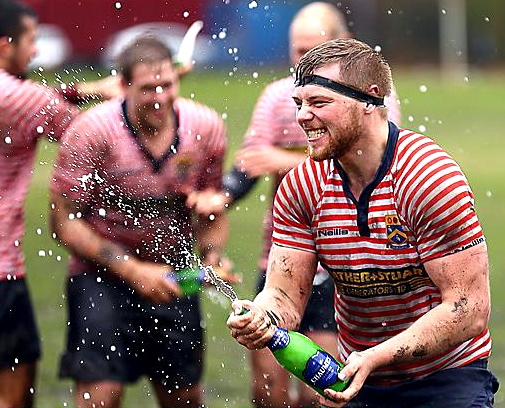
column 464, row 117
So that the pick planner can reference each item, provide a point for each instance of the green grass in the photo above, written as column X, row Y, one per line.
column 465, row 117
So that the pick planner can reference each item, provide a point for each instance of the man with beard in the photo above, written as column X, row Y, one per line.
column 29, row 112
column 273, row 144
column 123, row 175
column 391, row 217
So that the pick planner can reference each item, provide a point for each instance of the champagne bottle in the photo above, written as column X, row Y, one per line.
column 306, row 360
column 189, row 279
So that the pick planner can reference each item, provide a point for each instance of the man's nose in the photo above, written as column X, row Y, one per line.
column 304, row 113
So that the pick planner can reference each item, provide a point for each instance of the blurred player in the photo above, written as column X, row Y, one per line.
column 28, row 112
column 124, row 171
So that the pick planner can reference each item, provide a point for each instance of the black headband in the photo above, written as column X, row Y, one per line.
column 340, row 88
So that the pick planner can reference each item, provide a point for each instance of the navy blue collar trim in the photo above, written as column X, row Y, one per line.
column 363, row 202
column 172, row 149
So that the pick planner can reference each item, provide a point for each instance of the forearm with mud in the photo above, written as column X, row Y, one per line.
column 443, row 327
column 285, row 293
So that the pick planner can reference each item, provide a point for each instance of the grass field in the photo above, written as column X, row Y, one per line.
column 465, row 117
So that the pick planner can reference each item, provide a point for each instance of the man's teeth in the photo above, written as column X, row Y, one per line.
column 314, row 134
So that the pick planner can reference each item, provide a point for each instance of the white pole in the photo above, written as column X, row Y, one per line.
column 453, row 43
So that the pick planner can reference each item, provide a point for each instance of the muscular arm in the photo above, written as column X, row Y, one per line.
column 267, row 159
column 251, row 163
column 80, row 238
column 287, row 289
column 463, row 280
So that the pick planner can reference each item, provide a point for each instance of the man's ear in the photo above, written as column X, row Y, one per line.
column 123, row 83
column 5, row 46
column 373, row 90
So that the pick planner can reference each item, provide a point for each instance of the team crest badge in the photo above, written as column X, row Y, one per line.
column 396, row 235
column 182, row 165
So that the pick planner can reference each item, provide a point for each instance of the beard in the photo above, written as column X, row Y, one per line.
column 342, row 140
column 150, row 123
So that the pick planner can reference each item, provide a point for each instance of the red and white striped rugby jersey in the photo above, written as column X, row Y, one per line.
column 419, row 207
column 274, row 123
column 28, row 112
column 132, row 198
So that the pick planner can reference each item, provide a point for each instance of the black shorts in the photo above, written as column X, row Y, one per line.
column 19, row 335
column 115, row 335
column 320, row 313
column 471, row 386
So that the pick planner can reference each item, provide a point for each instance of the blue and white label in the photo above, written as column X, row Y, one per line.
column 321, row 370
column 279, row 340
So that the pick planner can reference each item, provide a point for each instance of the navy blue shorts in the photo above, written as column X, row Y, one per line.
column 472, row 386
column 114, row 334
column 320, row 313
column 19, row 335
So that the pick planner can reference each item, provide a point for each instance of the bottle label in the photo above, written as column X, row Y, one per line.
column 279, row 340
column 321, row 370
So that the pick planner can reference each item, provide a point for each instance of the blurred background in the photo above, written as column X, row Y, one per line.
column 448, row 62
column 454, row 34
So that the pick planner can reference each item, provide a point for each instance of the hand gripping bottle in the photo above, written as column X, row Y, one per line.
column 306, row 360
column 189, row 279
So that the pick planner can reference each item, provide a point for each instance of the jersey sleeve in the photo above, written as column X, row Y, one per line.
column 438, row 202
column 213, row 134
column 294, row 206
column 262, row 130
column 39, row 111
column 80, row 156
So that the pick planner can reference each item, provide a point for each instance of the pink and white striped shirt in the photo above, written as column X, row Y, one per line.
column 28, row 112
column 274, row 123
column 419, row 207
column 129, row 196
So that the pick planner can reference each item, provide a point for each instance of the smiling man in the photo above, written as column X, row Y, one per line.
column 409, row 263
column 123, row 175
